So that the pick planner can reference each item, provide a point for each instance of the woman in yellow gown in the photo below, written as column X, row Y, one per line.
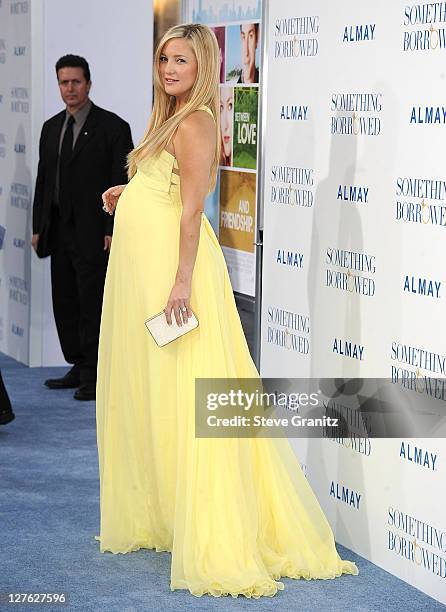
column 236, row 513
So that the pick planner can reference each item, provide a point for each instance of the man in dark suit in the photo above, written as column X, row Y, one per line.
column 82, row 152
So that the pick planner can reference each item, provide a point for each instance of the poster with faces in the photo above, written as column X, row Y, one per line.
column 239, row 80
column 242, row 53
column 226, row 124
column 232, row 207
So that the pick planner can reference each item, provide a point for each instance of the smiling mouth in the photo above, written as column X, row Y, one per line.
column 171, row 81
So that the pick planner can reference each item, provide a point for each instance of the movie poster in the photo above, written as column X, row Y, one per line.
column 237, row 210
column 231, row 209
column 245, row 127
column 242, row 53
column 226, row 124
column 238, row 226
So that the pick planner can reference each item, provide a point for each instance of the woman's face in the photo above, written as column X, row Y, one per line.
column 178, row 67
column 226, row 106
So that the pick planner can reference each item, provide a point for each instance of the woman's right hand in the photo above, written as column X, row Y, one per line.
column 110, row 198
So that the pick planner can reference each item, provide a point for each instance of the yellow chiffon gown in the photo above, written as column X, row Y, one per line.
column 236, row 514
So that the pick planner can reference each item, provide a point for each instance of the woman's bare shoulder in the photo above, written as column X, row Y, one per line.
column 196, row 128
column 197, row 120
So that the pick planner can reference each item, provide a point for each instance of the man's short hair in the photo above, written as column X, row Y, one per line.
column 256, row 28
column 73, row 61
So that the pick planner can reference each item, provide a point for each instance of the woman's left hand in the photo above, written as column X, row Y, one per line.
column 179, row 303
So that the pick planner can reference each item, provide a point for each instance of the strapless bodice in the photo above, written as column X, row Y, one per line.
column 157, row 172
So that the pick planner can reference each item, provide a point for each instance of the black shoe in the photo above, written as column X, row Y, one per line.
column 6, row 416
column 71, row 380
column 85, row 393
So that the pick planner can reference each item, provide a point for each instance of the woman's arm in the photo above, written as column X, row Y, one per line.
column 110, row 198
column 194, row 146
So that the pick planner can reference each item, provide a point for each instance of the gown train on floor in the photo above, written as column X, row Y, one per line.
column 236, row 513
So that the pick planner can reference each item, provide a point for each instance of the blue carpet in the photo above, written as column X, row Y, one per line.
column 49, row 511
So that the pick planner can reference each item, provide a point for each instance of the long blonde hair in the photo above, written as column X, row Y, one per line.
column 205, row 91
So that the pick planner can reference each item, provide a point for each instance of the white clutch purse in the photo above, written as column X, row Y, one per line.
column 163, row 333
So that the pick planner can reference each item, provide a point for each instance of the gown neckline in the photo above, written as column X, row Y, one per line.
column 169, row 153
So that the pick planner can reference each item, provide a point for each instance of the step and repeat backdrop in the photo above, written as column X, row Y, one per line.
column 15, row 177
column 354, row 253
column 33, row 35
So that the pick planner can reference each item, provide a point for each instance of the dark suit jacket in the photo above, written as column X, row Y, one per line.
column 256, row 77
column 98, row 162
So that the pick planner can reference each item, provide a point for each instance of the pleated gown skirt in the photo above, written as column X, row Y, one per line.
column 236, row 514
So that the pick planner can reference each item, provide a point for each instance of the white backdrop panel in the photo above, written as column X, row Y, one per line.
column 355, row 224
column 15, row 177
